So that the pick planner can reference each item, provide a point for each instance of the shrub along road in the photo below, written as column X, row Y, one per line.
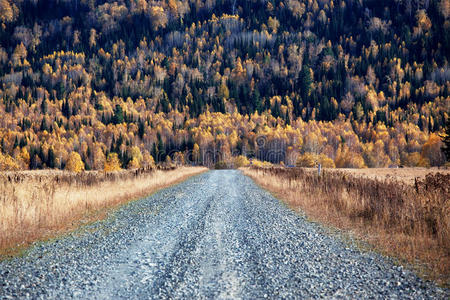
column 216, row 235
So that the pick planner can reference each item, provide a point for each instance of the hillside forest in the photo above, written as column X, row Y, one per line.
column 104, row 85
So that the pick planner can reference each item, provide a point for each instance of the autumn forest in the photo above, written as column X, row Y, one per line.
column 104, row 85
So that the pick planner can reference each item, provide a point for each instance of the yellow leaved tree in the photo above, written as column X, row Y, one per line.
column 148, row 161
column 136, row 158
column 310, row 160
column 133, row 164
column 307, row 160
column 112, row 163
column 241, row 161
column 7, row 163
column 345, row 158
column 74, row 163
column 99, row 158
column 431, row 154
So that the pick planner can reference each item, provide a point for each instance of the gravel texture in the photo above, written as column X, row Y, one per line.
column 216, row 235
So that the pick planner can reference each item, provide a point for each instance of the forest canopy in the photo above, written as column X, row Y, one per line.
column 88, row 84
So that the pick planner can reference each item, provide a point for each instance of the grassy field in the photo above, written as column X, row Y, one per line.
column 399, row 215
column 406, row 175
column 39, row 204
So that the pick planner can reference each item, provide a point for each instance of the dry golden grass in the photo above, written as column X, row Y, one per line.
column 40, row 204
column 407, row 175
column 407, row 221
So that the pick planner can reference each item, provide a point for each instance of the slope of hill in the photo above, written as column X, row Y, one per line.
column 365, row 83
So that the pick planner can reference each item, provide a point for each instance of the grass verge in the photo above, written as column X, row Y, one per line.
column 408, row 221
column 37, row 205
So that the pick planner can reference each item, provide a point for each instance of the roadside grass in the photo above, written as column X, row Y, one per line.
column 37, row 205
column 406, row 175
column 408, row 221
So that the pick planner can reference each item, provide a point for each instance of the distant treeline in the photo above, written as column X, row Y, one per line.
column 98, row 76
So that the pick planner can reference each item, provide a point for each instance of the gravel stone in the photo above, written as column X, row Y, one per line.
column 216, row 235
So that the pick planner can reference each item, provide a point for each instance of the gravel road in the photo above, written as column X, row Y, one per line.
column 216, row 235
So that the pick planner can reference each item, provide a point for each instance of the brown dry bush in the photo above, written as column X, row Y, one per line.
column 410, row 221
